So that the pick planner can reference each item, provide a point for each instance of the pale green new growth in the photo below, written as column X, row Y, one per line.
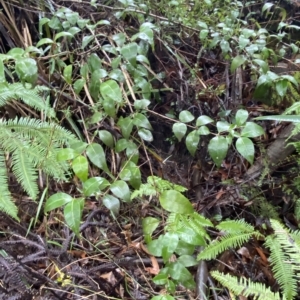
column 245, row 287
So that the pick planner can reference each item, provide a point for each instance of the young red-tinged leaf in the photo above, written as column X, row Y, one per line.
column 246, row 148
column 179, row 130
column 57, row 200
column 217, row 149
column 80, row 167
column 173, row 201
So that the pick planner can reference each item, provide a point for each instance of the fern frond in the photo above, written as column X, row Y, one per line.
column 282, row 268
column 30, row 96
column 231, row 240
column 6, row 203
column 245, row 287
column 25, row 173
column 235, row 226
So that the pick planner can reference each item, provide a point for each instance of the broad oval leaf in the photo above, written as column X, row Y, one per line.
column 217, row 149
column 141, row 120
column 57, row 200
column 66, row 154
column 145, row 134
column 107, row 138
column 185, row 116
column 97, row 156
column 179, row 130
column 94, row 185
column 237, row 62
column 110, row 90
column 281, row 87
column 203, row 120
column 112, row 203
column 246, row 148
column 252, row 130
column 174, row 201
column 241, row 116
column 192, row 141
column 223, row 126
column 126, row 125
column 120, row 189
column 203, row 130
column 72, row 213
column 80, row 167
column 149, row 224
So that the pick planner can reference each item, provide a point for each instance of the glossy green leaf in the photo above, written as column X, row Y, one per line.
column 141, row 120
column 78, row 85
column 185, row 116
column 225, row 46
column 129, row 52
column 68, row 74
column 112, row 203
column 252, row 130
column 62, row 34
column 190, row 236
column 131, row 172
column 173, row 201
column 203, row 130
column 119, row 38
column 80, row 167
column 110, row 90
column 121, row 145
column 291, row 79
column 145, row 135
column 86, row 40
column 126, row 125
column 141, row 104
column 188, row 260
column 241, row 117
column 26, row 69
column 149, row 224
column 57, row 200
column 155, row 246
column 94, row 63
column 160, row 279
column 109, row 107
column 246, row 148
column 72, row 213
column 120, row 189
column 223, row 126
column 78, row 146
column 94, row 84
column 237, row 62
column 192, row 141
column 179, row 130
column 217, row 149
column 66, row 154
column 203, row 120
column 170, row 242
column 72, row 17
column 94, row 185
column 107, row 138
column 184, row 248
column 281, row 87
column 44, row 41
column 97, row 156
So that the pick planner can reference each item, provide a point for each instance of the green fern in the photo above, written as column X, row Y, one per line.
column 32, row 146
column 245, row 287
column 154, row 186
column 31, row 97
